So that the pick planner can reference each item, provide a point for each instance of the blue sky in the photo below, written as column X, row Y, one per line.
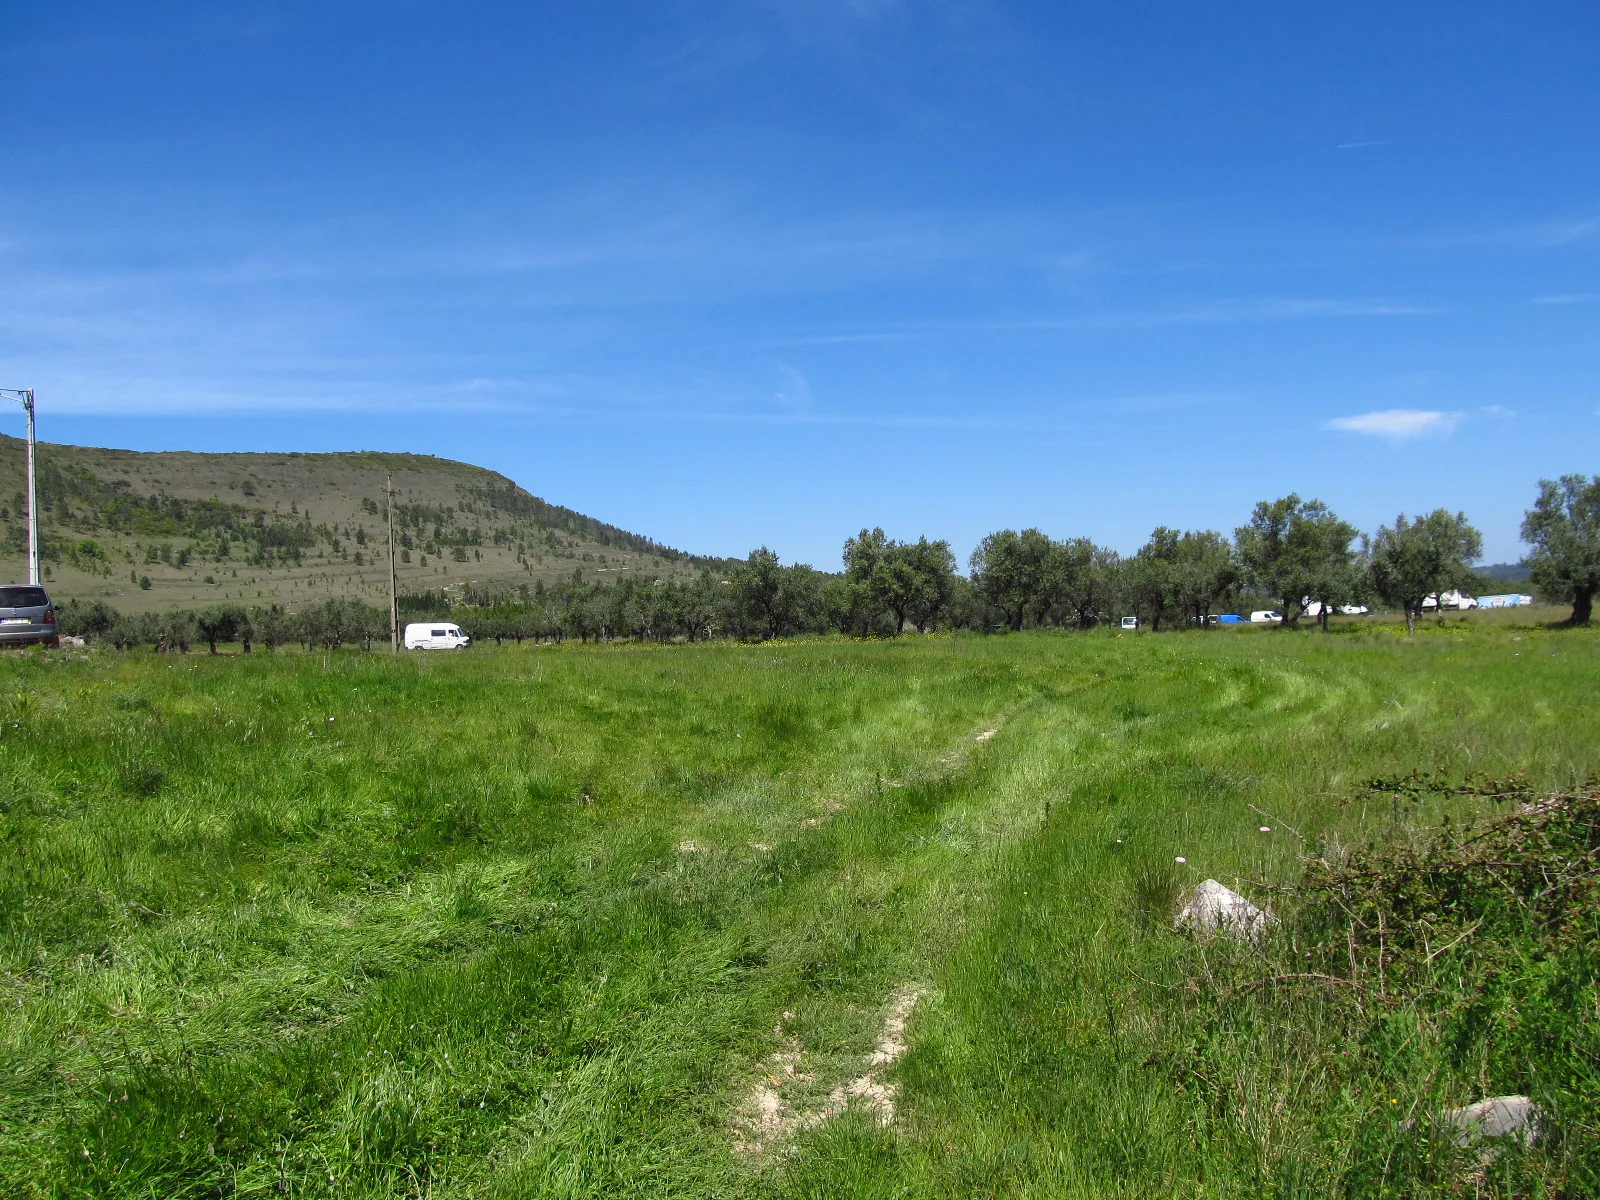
column 767, row 272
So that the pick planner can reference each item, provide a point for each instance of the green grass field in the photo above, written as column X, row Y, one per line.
column 614, row 921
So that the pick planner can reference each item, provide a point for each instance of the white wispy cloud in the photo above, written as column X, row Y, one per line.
column 1363, row 145
column 1218, row 312
column 833, row 10
column 1279, row 308
column 793, row 391
column 1548, row 235
column 1397, row 423
column 1567, row 298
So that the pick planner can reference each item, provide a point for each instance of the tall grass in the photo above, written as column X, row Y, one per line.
column 522, row 921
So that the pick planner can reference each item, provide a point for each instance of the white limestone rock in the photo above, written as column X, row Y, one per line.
column 1213, row 908
column 1498, row 1116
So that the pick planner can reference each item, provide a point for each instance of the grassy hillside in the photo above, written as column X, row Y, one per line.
column 1505, row 573
column 292, row 527
column 812, row 919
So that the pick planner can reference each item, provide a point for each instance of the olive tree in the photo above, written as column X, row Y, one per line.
column 338, row 620
column 1010, row 570
column 1422, row 558
column 273, row 626
column 912, row 581
column 703, row 606
column 223, row 623
column 1293, row 550
column 1563, row 527
column 920, row 578
column 1081, row 580
column 843, row 606
column 1150, row 577
column 759, row 581
column 865, row 558
column 1180, row 575
column 800, row 599
column 1204, row 572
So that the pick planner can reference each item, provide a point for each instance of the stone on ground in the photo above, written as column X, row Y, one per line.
column 1213, row 908
column 1498, row 1116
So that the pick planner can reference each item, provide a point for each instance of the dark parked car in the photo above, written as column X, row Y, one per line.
column 27, row 616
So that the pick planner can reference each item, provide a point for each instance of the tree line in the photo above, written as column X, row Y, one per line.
column 1293, row 555
column 329, row 625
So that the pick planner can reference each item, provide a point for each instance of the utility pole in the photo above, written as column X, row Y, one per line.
column 24, row 396
column 394, row 598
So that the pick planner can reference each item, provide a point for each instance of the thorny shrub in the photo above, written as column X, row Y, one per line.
column 1424, row 971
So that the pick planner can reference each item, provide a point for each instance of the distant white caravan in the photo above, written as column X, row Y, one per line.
column 1510, row 600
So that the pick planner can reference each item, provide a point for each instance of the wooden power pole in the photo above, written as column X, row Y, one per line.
column 394, row 598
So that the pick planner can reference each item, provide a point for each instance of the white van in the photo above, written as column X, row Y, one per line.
column 1265, row 616
column 1314, row 609
column 438, row 635
column 1453, row 600
column 1130, row 622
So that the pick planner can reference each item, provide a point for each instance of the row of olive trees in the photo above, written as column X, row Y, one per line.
column 759, row 599
column 886, row 586
column 329, row 624
column 645, row 608
column 1301, row 554
column 1296, row 554
column 1293, row 554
